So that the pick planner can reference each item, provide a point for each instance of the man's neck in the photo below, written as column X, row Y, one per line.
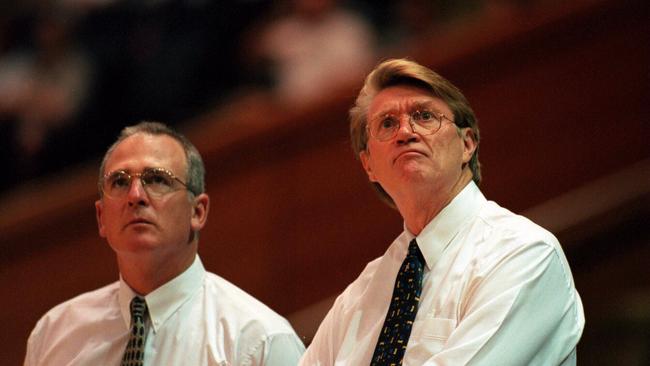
column 146, row 273
column 419, row 208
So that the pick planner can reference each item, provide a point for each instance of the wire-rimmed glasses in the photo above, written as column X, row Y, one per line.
column 155, row 181
column 423, row 122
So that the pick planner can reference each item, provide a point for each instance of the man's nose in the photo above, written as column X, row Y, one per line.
column 406, row 131
column 137, row 195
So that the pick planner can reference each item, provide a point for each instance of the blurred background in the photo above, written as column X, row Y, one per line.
column 561, row 90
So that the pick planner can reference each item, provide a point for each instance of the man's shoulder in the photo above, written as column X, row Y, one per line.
column 78, row 312
column 86, row 301
column 84, row 304
column 371, row 268
column 503, row 220
column 241, row 308
column 355, row 291
column 499, row 227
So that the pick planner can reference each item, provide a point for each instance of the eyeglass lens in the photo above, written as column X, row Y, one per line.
column 154, row 181
column 424, row 122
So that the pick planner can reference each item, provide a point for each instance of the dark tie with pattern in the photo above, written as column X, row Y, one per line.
column 401, row 313
column 134, row 353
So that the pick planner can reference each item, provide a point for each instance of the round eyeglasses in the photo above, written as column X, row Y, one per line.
column 155, row 181
column 423, row 122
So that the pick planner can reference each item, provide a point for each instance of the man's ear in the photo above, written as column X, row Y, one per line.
column 364, row 156
column 200, row 208
column 98, row 214
column 469, row 143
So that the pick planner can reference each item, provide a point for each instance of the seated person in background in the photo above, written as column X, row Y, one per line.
column 467, row 282
column 314, row 48
column 166, row 309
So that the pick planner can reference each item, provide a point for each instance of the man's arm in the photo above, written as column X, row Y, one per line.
column 280, row 349
column 284, row 350
column 321, row 350
column 30, row 356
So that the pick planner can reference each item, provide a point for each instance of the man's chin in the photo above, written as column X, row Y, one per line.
column 136, row 244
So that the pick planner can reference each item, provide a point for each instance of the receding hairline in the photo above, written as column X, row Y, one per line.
column 117, row 144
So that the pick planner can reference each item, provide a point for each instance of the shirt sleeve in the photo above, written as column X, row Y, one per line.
column 29, row 357
column 281, row 349
column 522, row 310
column 320, row 351
column 33, row 343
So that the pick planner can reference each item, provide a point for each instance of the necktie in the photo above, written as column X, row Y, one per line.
column 134, row 353
column 401, row 313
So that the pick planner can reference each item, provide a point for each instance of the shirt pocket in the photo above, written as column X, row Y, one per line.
column 429, row 336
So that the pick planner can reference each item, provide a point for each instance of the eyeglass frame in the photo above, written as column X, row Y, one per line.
column 144, row 185
column 439, row 116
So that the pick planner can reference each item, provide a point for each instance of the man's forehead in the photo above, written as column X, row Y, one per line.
column 146, row 150
column 403, row 97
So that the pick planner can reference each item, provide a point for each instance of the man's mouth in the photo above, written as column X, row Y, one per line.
column 408, row 153
column 139, row 221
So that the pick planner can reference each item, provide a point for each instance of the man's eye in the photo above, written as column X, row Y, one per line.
column 120, row 181
column 158, row 178
column 387, row 123
column 426, row 116
column 423, row 116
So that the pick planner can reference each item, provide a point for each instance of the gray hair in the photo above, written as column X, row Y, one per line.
column 195, row 168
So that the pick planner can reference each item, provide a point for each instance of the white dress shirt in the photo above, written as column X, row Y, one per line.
column 497, row 290
column 198, row 318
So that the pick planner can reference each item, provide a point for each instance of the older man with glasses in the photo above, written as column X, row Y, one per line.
column 166, row 309
column 467, row 282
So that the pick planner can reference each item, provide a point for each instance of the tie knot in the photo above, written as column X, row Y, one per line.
column 138, row 307
column 414, row 249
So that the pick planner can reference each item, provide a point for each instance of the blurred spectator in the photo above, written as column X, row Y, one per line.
column 311, row 49
column 42, row 88
column 156, row 60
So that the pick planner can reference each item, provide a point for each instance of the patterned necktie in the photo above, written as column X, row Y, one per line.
column 134, row 353
column 395, row 334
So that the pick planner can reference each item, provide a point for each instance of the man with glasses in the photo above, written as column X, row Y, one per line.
column 467, row 282
column 166, row 309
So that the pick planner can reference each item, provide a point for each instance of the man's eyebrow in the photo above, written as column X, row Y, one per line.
column 391, row 108
column 127, row 170
column 382, row 113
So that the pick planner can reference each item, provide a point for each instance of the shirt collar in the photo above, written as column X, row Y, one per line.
column 439, row 232
column 165, row 300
